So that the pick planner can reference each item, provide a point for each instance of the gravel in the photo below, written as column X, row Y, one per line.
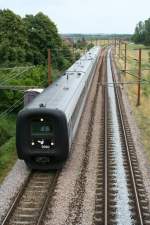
column 58, row 213
column 144, row 164
column 11, row 185
column 89, row 200
column 64, row 208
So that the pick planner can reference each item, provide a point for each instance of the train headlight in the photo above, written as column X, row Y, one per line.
column 52, row 143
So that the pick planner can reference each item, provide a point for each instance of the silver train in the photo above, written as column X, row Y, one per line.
column 46, row 127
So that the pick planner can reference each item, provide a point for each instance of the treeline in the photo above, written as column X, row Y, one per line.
column 93, row 37
column 24, row 41
column 142, row 33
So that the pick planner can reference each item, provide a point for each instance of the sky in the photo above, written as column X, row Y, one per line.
column 86, row 16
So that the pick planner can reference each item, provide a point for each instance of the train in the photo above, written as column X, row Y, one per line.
column 46, row 127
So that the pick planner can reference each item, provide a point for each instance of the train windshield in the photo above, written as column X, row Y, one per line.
column 41, row 128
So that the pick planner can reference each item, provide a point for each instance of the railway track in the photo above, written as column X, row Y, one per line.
column 31, row 202
column 29, row 206
column 120, row 197
column 120, row 194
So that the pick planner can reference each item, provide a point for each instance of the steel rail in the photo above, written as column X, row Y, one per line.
column 16, row 200
column 38, row 221
column 47, row 199
column 106, row 156
column 127, row 146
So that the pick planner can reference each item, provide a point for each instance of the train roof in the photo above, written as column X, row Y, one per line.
column 37, row 90
column 59, row 94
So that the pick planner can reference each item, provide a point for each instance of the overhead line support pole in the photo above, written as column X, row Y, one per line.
column 115, row 46
column 119, row 47
column 139, row 78
column 125, row 59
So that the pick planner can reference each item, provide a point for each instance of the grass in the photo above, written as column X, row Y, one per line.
column 7, row 128
column 142, row 112
column 7, row 145
column 7, row 157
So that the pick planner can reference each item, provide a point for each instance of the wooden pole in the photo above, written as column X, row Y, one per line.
column 125, row 59
column 139, row 79
column 49, row 67
column 119, row 47
column 115, row 46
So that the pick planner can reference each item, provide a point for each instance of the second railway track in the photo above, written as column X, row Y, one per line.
column 120, row 197
column 120, row 194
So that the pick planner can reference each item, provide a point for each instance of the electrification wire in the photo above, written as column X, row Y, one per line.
column 10, row 109
column 11, row 68
column 14, row 76
column 2, row 76
column 142, row 79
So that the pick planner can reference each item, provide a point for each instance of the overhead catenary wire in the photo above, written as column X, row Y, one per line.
column 14, row 76
column 129, row 58
column 12, row 71
column 2, row 76
column 12, row 107
column 12, row 68
column 127, row 82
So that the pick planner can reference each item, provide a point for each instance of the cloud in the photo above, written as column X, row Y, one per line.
column 87, row 16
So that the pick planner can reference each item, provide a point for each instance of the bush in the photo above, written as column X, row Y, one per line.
column 7, row 129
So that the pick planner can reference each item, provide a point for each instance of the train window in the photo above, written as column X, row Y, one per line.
column 41, row 128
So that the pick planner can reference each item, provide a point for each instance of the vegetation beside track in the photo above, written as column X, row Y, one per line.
column 7, row 157
column 142, row 112
column 7, row 129
column 35, row 76
column 7, row 145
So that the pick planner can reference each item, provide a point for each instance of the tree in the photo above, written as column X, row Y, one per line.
column 26, row 41
column 142, row 33
column 139, row 34
column 12, row 38
column 42, row 34
column 147, row 32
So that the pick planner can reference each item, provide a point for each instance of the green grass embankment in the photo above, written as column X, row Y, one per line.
column 7, row 157
column 7, row 145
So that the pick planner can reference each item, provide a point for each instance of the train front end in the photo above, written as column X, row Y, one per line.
column 39, row 138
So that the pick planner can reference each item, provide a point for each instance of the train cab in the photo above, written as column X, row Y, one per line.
column 43, row 143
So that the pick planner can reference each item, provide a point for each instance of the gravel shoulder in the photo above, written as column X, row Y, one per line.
column 66, row 201
column 11, row 185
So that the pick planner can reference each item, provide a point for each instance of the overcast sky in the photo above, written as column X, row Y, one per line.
column 86, row 16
